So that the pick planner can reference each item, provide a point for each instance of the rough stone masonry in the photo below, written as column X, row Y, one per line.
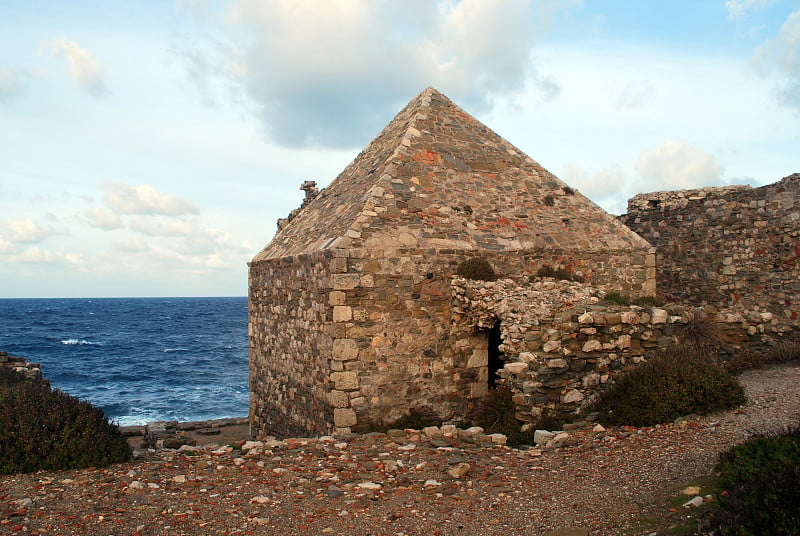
column 352, row 318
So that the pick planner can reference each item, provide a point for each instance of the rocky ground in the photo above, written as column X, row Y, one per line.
column 445, row 482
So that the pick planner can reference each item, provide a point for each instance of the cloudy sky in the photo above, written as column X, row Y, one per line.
column 147, row 147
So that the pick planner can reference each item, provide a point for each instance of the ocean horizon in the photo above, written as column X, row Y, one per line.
column 138, row 359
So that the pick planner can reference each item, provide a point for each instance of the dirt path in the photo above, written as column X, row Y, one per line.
column 603, row 482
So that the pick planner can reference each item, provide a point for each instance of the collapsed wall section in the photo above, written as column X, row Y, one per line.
column 562, row 345
column 726, row 247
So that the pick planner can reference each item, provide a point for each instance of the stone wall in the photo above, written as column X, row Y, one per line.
column 562, row 345
column 735, row 247
column 353, row 338
column 32, row 371
column 289, row 350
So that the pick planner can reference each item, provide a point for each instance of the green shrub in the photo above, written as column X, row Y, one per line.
column 701, row 333
column 549, row 200
column 9, row 377
column 641, row 301
column 476, row 268
column 760, row 484
column 784, row 352
column 416, row 419
column 748, row 359
column 44, row 429
column 670, row 385
column 496, row 414
column 618, row 298
column 648, row 301
column 558, row 273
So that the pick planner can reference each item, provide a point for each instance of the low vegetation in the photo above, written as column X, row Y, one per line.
column 672, row 384
column 46, row 429
column 759, row 487
column 558, row 273
column 476, row 268
column 748, row 359
column 623, row 299
column 496, row 414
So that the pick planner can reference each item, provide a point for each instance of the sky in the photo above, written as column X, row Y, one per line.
column 148, row 147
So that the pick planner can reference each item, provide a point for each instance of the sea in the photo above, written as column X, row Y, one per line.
column 138, row 359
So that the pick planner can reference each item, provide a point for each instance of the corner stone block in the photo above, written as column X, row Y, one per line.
column 479, row 358
column 337, row 297
column 345, row 281
column 344, row 417
column 345, row 350
column 342, row 313
column 338, row 399
column 346, row 380
column 478, row 389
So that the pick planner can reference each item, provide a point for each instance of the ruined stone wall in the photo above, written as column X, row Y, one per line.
column 290, row 346
column 562, row 345
column 727, row 247
column 31, row 371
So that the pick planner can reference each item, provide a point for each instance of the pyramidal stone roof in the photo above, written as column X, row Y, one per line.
column 436, row 177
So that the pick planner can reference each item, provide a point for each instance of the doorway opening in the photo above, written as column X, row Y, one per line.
column 495, row 355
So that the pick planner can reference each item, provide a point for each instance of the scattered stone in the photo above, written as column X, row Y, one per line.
column 541, row 437
column 459, row 471
column 694, row 502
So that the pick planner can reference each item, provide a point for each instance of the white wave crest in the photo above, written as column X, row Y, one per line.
column 79, row 342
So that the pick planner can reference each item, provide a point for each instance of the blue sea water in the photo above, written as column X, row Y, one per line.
column 139, row 359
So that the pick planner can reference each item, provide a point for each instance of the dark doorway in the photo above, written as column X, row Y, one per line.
column 495, row 355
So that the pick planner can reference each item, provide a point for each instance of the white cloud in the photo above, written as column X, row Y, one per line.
column 738, row 9
column 103, row 218
column 134, row 245
column 27, row 231
column 36, row 255
column 6, row 246
column 635, row 94
column 145, row 200
column 677, row 166
column 607, row 187
column 85, row 70
column 330, row 73
column 782, row 56
column 162, row 227
column 13, row 83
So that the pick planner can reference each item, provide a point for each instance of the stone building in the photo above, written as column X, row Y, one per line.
column 353, row 317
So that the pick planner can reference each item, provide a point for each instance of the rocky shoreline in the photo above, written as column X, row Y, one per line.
column 174, row 434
